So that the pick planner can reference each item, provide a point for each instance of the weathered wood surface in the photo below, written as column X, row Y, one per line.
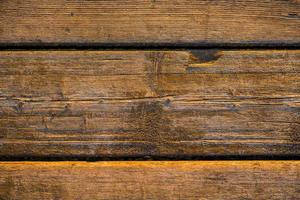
column 149, row 103
column 149, row 21
column 210, row 180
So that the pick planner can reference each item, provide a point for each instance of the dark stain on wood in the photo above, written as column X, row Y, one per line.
column 19, row 107
column 295, row 133
column 293, row 15
column 202, row 56
column 67, row 30
column 150, row 121
column 148, row 118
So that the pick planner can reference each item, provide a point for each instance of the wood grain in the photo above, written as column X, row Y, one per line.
column 149, row 103
column 210, row 180
column 120, row 22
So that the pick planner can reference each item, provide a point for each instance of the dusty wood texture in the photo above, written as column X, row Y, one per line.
column 232, row 180
column 149, row 103
column 150, row 21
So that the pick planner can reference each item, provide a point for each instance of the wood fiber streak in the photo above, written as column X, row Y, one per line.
column 210, row 180
column 150, row 21
column 149, row 103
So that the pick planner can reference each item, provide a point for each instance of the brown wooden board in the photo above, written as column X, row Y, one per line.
column 210, row 180
column 149, row 103
column 119, row 22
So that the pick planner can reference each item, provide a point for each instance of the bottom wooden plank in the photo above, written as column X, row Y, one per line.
column 150, row 180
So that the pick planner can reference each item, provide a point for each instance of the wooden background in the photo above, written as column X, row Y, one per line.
column 234, row 180
column 149, row 80
column 193, row 22
column 150, row 103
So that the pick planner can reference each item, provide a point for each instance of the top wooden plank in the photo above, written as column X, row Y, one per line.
column 156, row 22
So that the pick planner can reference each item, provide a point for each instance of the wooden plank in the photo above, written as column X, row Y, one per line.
column 119, row 22
column 149, row 103
column 208, row 180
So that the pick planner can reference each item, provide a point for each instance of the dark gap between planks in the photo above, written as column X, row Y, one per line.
column 151, row 158
column 146, row 46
